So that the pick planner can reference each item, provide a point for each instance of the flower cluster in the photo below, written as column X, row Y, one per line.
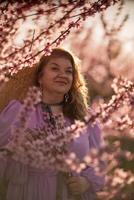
column 124, row 92
column 117, row 126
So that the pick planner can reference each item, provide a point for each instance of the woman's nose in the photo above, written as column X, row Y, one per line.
column 62, row 74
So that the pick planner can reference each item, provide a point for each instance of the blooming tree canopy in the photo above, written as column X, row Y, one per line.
column 49, row 24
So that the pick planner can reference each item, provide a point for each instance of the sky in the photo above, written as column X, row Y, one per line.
column 127, row 33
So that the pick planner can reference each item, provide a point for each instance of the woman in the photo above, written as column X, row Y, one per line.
column 63, row 91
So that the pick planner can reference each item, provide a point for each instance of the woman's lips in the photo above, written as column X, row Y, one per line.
column 61, row 82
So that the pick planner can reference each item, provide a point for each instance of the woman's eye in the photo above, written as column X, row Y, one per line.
column 69, row 71
column 54, row 68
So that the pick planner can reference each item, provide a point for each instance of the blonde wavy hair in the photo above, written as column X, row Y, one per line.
column 77, row 104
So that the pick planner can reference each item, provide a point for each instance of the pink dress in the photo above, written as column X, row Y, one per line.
column 28, row 183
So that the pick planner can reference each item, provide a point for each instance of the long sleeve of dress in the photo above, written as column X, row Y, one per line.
column 7, row 117
column 96, row 181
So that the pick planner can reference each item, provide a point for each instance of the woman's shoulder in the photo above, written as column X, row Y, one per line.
column 14, row 102
column 10, row 109
column 7, row 118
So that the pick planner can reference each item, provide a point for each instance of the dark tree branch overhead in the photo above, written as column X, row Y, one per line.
column 15, row 10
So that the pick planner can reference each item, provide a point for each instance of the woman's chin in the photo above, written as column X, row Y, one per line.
column 61, row 91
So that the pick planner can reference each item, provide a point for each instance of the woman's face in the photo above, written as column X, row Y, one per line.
column 57, row 76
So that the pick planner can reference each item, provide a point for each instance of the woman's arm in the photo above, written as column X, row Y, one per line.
column 96, row 181
column 7, row 117
column 88, row 182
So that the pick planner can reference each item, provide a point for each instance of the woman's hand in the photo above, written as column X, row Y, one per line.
column 77, row 185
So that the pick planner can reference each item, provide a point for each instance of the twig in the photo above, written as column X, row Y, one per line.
column 32, row 40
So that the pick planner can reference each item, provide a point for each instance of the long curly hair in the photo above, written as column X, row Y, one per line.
column 77, row 104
